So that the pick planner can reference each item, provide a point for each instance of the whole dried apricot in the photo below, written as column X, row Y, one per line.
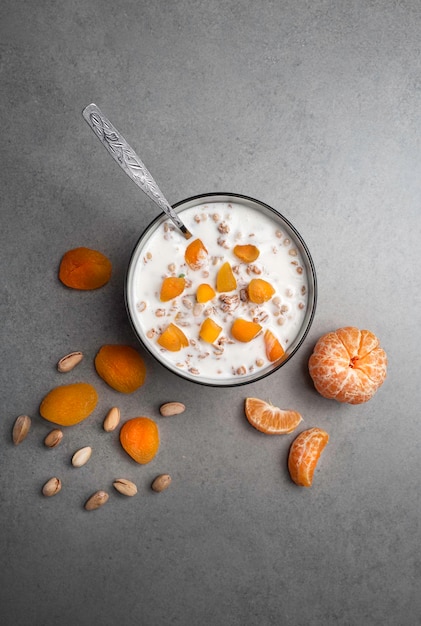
column 259, row 290
column 245, row 331
column 225, row 279
column 121, row 367
column 173, row 338
column 195, row 254
column 84, row 269
column 139, row 437
column 304, row 454
column 209, row 330
column 247, row 253
column 69, row 404
column 172, row 286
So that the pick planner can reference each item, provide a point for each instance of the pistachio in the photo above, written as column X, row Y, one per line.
column 171, row 408
column 82, row 456
column 96, row 500
column 53, row 438
column 52, row 487
column 21, row 429
column 125, row 486
column 69, row 361
column 112, row 419
column 161, row 482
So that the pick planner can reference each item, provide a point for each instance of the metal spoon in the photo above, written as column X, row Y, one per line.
column 129, row 162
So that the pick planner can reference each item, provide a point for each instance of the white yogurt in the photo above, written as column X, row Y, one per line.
column 220, row 226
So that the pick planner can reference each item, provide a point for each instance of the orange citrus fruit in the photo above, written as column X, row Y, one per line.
column 69, row 404
column 304, row 454
column 270, row 419
column 121, row 367
column 139, row 437
column 348, row 365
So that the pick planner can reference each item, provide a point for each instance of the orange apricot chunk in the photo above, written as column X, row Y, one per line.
column 121, row 367
column 69, row 404
column 205, row 293
column 259, row 290
column 209, row 330
column 225, row 279
column 270, row 419
column 195, row 254
column 274, row 349
column 84, row 269
column 304, row 454
column 173, row 338
column 247, row 253
column 171, row 287
column 244, row 331
column 139, row 437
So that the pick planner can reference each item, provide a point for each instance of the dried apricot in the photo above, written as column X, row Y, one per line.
column 270, row 419
column 204, row 293
column 247, row 253
column 245, row 331
column 274, row 349
column 209, row 330
column 348, row 365
column 171, row 287
column 69, row 404
column 139, row 437
column 84, row 269
column 195, row 254
column 173, row 338
column 121, row 367
column 259, row 290
column 225, row 279
column 304, row 454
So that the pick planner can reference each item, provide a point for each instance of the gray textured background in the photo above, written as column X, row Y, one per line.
column 312, row 106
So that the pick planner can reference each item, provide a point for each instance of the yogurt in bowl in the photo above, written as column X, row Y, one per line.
column 230, row 305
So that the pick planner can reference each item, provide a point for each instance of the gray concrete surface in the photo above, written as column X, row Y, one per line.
column 313, row 107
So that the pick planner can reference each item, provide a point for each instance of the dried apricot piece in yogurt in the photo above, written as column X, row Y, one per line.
column 259, row 290
column 247, row 252
column 84, row 269
column 348, row 365
column 173, row 338
column 274, row 349
column 304, row 454
column 171, row 287
column 270, row 419
column 139, row 437
column 121, row 367
column 244, row 331
column 195, row 254
column 225, row 279
column 69, row 404
column 204, row 293
column 209, row 330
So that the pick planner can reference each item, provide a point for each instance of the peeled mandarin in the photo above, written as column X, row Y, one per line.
column 304, row 454
column 270, row 419
column 274, row 349
column 121, row 367
column 139, row 437
column 84, row 269
column 69, row 404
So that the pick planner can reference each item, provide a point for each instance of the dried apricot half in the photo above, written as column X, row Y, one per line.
column 209, row 330
column 171, row 287
column 259, row 290
column 225, row 279
column 173, row 338
column 69, row 404
column 270, row 419
column 139, row 437
column 84, row 269
column 274, row 349
column 121, row 367
column 304, row 454
column 195, row 254
column 245, row 331
column 247, row 253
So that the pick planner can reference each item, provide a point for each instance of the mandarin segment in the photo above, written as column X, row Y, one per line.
column 195, row 254
column 274, row 349
column 304, row 454
column 209, row 330
column 84, row 269
column 270, row 419
column 121, row 367
column 173, row 338
column 259, row 290
column 68, row 405
column 139, row 437
column 348, row 365
column 171, row 287
column 205, row 293
column 247, row 253
column 244, row 331
column 225, row 279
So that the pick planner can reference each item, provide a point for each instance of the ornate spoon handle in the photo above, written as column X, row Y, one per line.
column 128, row 160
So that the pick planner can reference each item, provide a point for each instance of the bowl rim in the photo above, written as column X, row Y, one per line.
column 311, row 272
